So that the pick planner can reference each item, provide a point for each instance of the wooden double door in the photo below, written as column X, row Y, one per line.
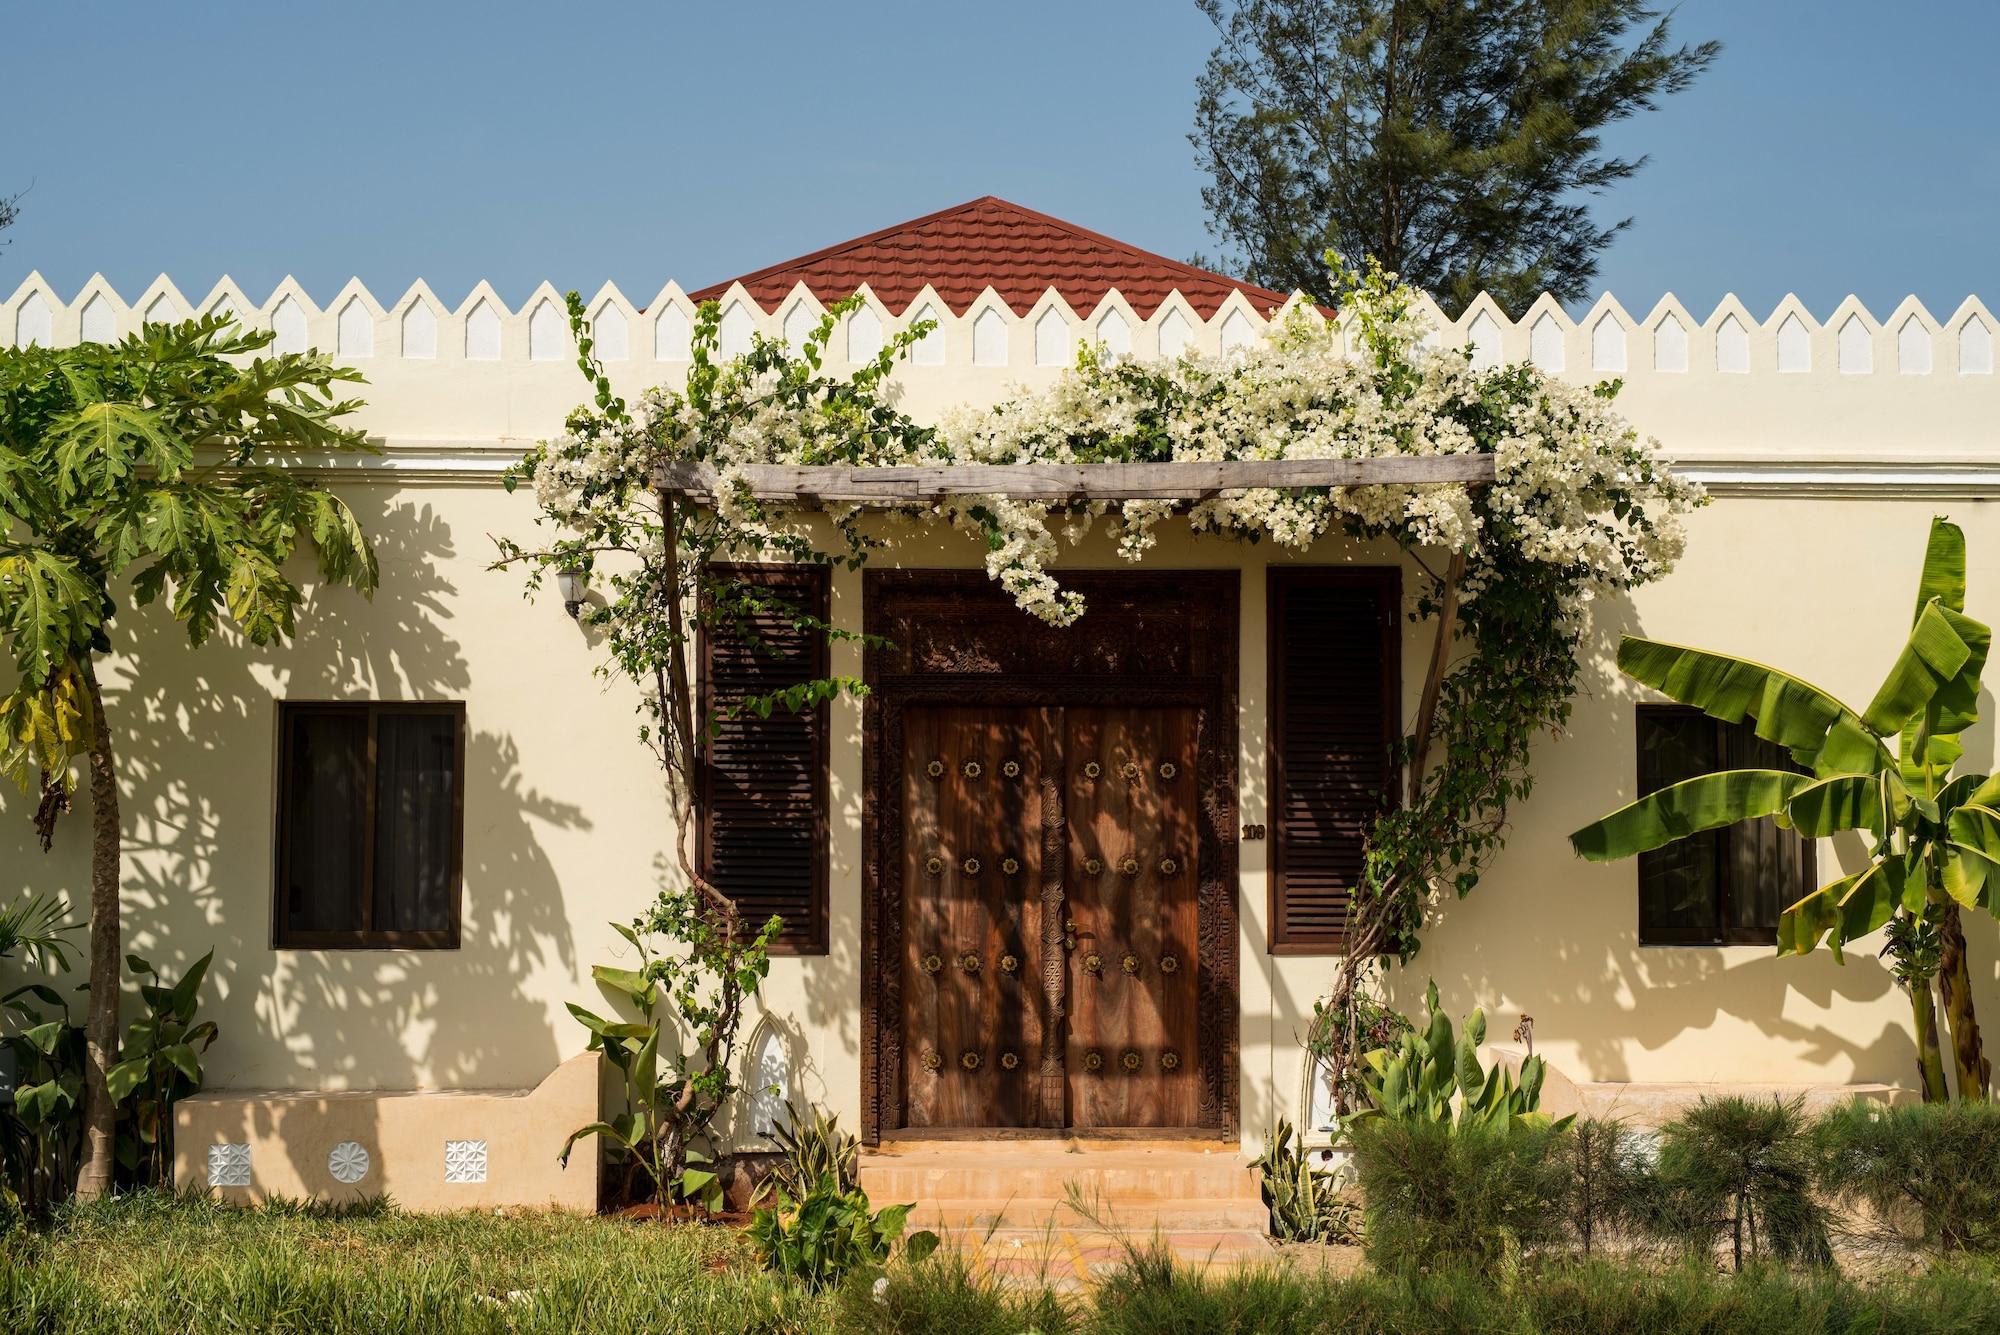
column 1049, row 971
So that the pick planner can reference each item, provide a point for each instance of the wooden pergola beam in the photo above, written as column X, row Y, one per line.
column 1074, row 482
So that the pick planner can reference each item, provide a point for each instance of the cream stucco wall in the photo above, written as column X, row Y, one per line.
column 1828, row 476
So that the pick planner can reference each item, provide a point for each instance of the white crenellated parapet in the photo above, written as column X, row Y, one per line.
column 1765, row 392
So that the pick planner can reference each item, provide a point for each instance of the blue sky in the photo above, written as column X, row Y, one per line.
column 1837, row 145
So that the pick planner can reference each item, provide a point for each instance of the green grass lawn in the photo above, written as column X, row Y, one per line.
column 146, row 1264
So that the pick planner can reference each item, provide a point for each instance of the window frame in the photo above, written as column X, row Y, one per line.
column 1386, row 581
column 1721, row 934
column 366, row 938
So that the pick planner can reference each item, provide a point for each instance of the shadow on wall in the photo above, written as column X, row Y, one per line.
column 196, row 737
column 1550, row 935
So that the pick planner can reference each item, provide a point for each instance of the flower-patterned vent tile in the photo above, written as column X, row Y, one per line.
column 348, row 1162
column 464, row 1161
column 228, row 1165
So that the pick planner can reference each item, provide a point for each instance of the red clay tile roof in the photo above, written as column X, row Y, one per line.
column 989, row 242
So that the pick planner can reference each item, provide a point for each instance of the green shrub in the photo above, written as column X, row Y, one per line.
column 1742, row 1171
column 1475, row 1196
column 831, row 1234
column 1304, row 1200
column 947, row 1293
column 1607, row 1182
column 1929, row 1172
column 813, row 1145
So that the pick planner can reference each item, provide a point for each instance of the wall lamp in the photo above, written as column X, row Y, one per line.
column 575, row 587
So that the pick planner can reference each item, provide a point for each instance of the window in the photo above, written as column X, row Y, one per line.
column 370, row 825
column 1720, row 887
column 764, row 788
column 1335, row 708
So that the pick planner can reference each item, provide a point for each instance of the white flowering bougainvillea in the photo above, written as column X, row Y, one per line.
column 1580, row 505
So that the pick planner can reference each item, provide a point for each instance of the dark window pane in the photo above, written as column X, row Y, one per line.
column 326, row 790
column 1679, row 885
column 416, row 801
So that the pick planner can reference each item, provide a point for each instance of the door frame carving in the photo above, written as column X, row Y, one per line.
column 1147, row 639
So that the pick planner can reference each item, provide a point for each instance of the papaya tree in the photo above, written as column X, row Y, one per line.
column 1885, row 771
column 146, row 471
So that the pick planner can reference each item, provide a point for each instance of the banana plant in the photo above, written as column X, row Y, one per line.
column 1885, row 771
column 1418, row 1079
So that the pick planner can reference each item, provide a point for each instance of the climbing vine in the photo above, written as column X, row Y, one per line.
column 1580, row 506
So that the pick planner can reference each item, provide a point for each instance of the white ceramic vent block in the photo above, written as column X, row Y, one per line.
column 288, row 327
column 733, row 333
column 798, row 324
column 864, row 335
column 420, row 331
column 34, row 323
column 1854, row 350
column 548, row 333
column 1176, row 335
column 1484, row 336
column 671, row 336
column 1913, row 348
column 1238, row 333
column 354, row 330
column 1794, row 347
column 1732, row 347
column 1545, row 344
column 464, row 1161
column 1607, row 344
column 610, row 334
column 161, row 311
column 482, row 334
column 347, row 1162
column 229, row 1165
column 1975, row 348
column 1115, row 334
column 930, row 349
column 989, row 339
column 99, row 321
column 1052, row 339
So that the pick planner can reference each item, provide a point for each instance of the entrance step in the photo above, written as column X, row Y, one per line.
column 1132, row 1187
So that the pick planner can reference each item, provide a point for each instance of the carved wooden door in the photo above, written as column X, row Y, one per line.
column 1129, row 797
column 1016, row 1012
column 973, row 990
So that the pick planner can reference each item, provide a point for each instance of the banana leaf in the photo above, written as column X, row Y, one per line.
column 1786, row 710
column 1824, row 807
column 1972, row 854
column 1938, row 663
column 1850, row 907
column 1705, row 802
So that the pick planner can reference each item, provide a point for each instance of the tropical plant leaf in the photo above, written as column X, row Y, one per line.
column 1843, row 910
column 1943, row 576
column 1973, row 834
column 1705, row 802
column 1785, row 709
column 1824, row 807
column 1928, row 667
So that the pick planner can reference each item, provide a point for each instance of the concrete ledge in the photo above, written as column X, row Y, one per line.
column 1647, row 1105
column 426, row 1150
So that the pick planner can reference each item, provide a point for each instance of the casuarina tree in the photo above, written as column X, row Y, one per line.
column 145, row 471
column 1459, row 142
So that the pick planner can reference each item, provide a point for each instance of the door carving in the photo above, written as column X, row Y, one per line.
column 1050, row 939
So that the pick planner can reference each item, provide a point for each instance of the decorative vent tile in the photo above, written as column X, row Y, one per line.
column 348, row 1162
column 464, row 1161
column 228, row 1165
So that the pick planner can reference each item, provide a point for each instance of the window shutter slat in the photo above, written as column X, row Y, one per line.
column 1334, row 693
column 764, row 784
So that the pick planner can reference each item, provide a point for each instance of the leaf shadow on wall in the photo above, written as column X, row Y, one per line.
column 196, row 736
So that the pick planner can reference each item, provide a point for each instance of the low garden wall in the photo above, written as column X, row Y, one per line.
column 427, row 1150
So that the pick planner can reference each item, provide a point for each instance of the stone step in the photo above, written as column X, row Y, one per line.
column 1134, row 1219
column 1127, row 1176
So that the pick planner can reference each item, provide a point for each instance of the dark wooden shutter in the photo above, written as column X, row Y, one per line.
column 1335, row 700
column 764, row 788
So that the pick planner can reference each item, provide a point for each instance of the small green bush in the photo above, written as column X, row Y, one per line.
column 1741, row 1171
column 946, row 1293
column 1929, row 1172
column 1474, row 1195
column 1607, row 1183
column 831, row 1234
